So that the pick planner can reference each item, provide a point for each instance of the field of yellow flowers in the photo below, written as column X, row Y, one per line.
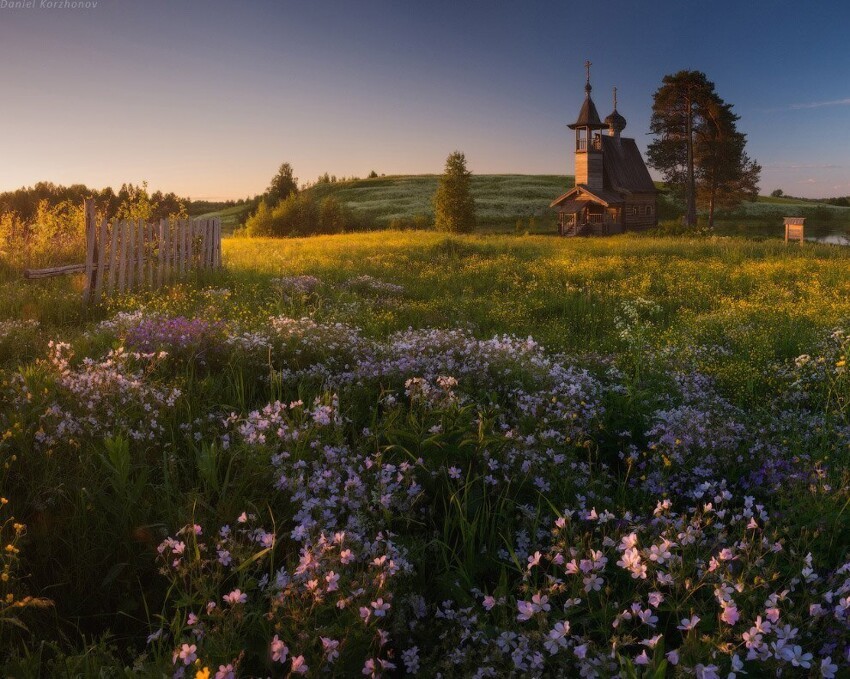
column 406, row 453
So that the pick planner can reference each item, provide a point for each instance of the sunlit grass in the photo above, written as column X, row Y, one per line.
column 566, row 292
column 766, row 300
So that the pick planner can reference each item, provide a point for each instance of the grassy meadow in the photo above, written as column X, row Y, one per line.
column 405, row 453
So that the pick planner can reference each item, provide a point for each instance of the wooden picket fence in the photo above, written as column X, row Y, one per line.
column 134, row 254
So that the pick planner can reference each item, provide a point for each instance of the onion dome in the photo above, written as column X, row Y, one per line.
column 615, row 121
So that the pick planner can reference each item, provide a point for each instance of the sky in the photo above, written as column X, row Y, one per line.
column 207, row 98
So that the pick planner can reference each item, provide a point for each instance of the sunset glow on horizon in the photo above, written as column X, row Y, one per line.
column 208, row 99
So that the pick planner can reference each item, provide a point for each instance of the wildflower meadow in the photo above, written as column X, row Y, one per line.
column 403, row 453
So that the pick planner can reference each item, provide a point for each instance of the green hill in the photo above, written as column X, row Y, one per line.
column 501, row 200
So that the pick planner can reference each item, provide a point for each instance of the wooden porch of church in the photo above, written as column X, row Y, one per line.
column 589, row 219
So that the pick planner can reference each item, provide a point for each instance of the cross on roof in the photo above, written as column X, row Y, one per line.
column 587, row 66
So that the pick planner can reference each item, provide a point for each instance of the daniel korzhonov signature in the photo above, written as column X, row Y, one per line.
column 49, row 4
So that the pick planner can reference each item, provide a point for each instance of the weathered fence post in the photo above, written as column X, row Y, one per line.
column 122, row 259
column 140, row 254
column 190, row 255
column 149, row 254
column 102, row 260
column 163, row 229
column 204, row 240
column 91, row 237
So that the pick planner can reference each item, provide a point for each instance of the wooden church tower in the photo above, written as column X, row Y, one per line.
column 588, row 142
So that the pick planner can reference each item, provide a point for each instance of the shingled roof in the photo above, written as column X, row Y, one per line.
column 623, row 168
column 588, row 116
column 604, row 196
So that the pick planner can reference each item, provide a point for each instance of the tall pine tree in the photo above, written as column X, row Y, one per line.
column 726, row 175
column 698, row 149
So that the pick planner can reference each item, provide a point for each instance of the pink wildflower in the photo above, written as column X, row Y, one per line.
column 380, row 607
column 188, row 653
column 279, row 650
column 689, row 623
column 225, row 672
column 526, row 610
column 730, row 614
column 235, row 597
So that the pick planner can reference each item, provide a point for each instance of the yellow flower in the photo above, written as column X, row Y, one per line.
column 841, row 363
column 203, row 673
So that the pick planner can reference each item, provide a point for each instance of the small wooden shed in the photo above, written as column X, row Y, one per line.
column 795, row 229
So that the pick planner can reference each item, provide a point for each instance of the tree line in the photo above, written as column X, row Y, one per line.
column 24, row 202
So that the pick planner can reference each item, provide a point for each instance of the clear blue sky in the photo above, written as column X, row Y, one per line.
column 207, row 98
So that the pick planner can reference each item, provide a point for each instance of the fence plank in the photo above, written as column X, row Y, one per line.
column 190, row 258
column 172, row 249
column 122, row 258
column 140, row 254
column 175, row 231
column 88, row 210
column 202, row 243
column 199, row 242
column 187, row 251
column 178, row 249
column 160, row 272
column 206, row 244
column 218, row 240
column 184, row 223
column 113, row 259
column 102, row 260
column 211, row 231
column 32, row 274
column 149, row 234
column 131, row 254
column 208, row 241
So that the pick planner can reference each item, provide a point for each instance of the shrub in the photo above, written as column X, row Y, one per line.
column 300, row 215
column 55, row 234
